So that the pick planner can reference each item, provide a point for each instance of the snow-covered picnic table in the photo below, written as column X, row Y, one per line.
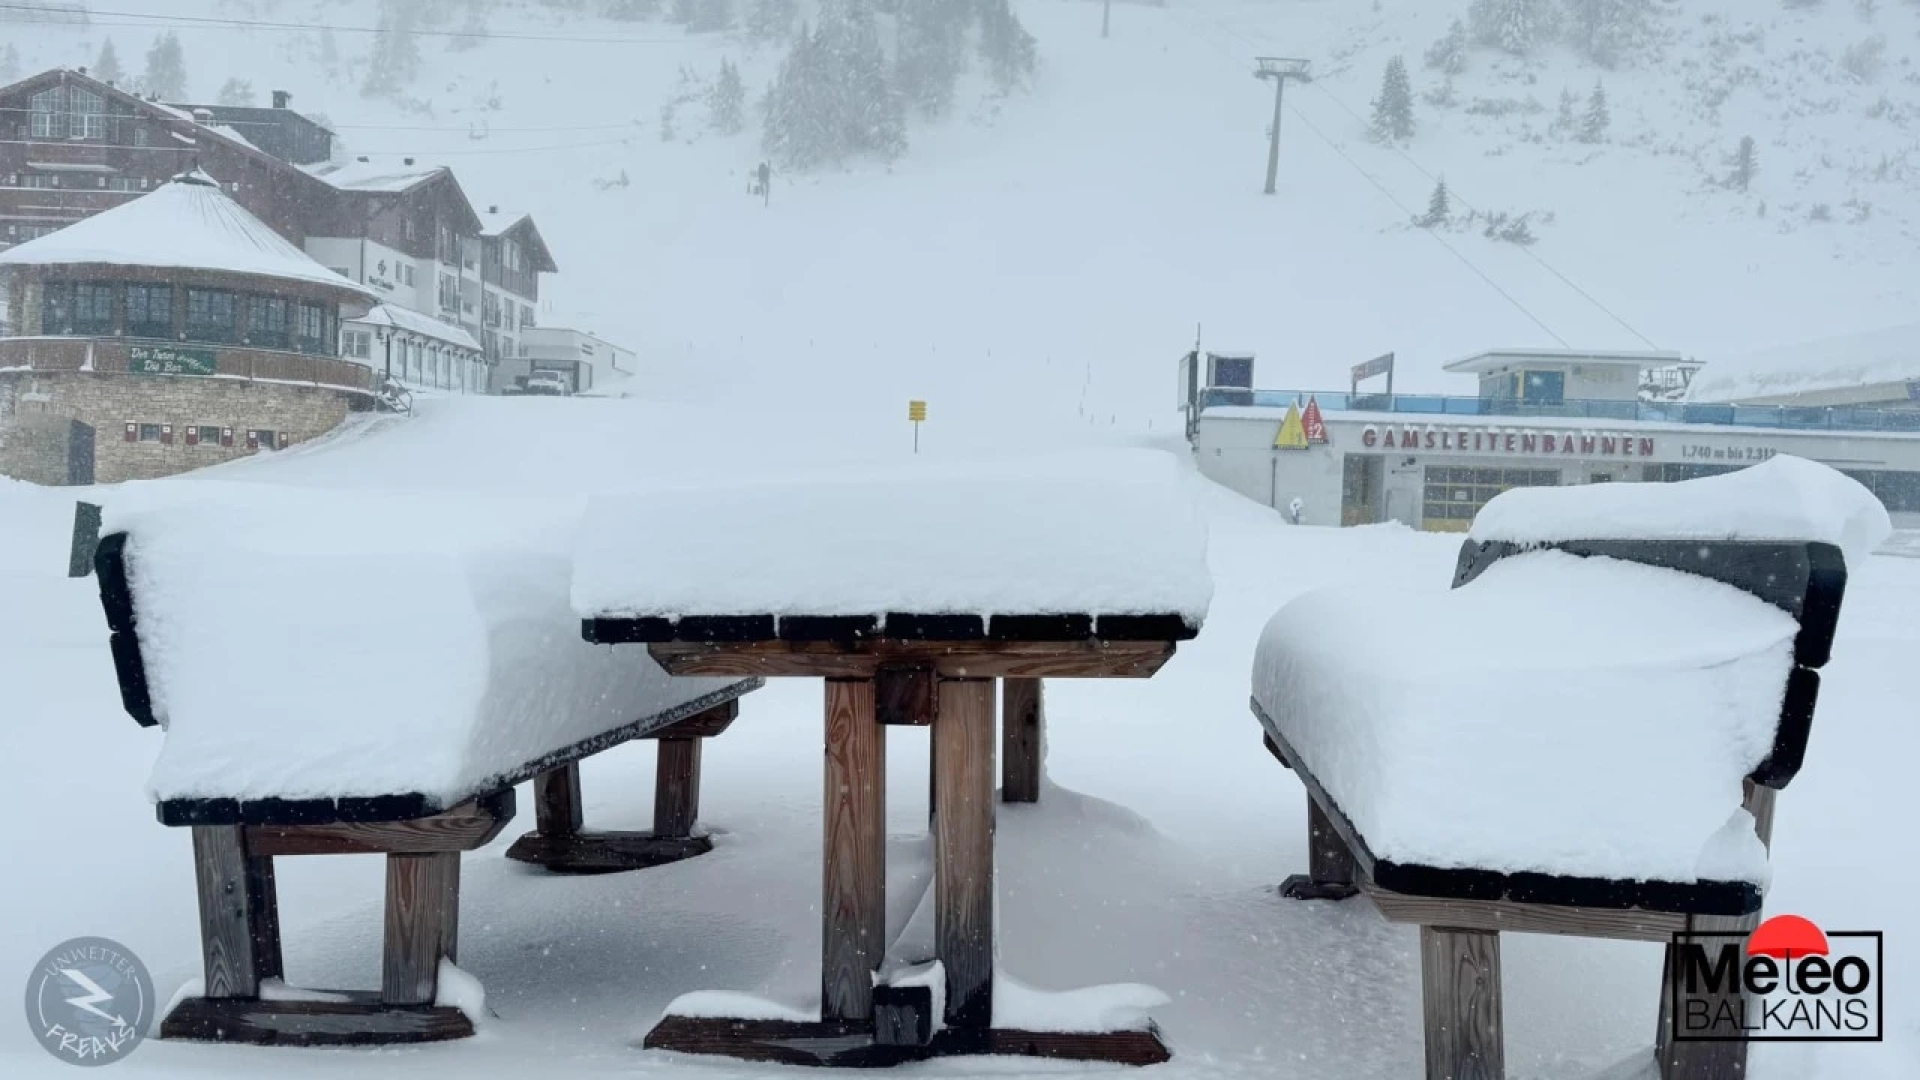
column 347, row 672
column 910, row 591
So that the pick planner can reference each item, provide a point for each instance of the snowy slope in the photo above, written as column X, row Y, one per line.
column 1051, row 254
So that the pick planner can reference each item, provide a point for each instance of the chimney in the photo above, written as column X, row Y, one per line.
column 406, row 161
column 203, row 116
column 281, row 98
column 362, row 159
column 493, row 209
column 83, row 69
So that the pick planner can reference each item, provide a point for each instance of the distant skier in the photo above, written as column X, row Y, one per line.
column 1296, row 510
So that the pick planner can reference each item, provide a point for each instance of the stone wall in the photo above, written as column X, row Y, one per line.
column 34, row 445
column 111, row 401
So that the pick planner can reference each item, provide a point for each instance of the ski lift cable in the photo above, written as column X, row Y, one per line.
column 1429, row 174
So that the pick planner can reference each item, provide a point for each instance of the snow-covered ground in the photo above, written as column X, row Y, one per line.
column 1031, row 268
column 1153, row 861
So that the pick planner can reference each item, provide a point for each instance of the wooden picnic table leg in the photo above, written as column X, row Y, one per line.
column 1329, row 873
column 676, row 787
column 556, row 801
column 1460, row 994
column 240, row 937
column 423, row 921
column 963, row 848
column 853, row 901
column 1022, row 739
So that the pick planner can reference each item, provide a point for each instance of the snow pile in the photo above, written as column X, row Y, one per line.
column 1096, row 532
column 311, row 644
column 1785, row 498
column 1581, row 717
column 1876, row 357
column 1116, row 1007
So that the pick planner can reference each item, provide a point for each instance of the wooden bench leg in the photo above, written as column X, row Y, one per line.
column 1329, row 864
column 676, row 788
column 556, row 801
column 1022, row 740
column 423, row 925
column 963, row 848
column 853, row 887
column 239, row 923
column 1460, row 995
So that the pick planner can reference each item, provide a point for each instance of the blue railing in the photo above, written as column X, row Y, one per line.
column 1841, row 418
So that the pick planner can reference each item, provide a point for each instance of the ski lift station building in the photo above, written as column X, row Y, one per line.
column 1547, row 418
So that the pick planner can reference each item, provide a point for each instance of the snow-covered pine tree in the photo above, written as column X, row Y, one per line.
column 1393, row 109
column 236, row 92
column 1746, row 164
column 870, row 114
column 771, row 20
column 931, row 53
column 686, row 12
column 473, row 32
column 396, row 52
column 166, row 76
column 793, row 135
column 1563, row 121
column 1517, row 26
column 107, row 68
column 1593, row 126
column 1449, row 54
column 1010, row 51
column 667, row 132
column 727, row 100
column 1439, row 206
column 9, row 63
column 1610, row 32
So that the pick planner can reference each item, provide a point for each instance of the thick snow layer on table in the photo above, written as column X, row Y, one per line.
column 1889, row 355
column 1115, row 1007
column 1098, row 532
column 186, row 223
column 306, row 644
column 1581, row 717
column 1784, row 498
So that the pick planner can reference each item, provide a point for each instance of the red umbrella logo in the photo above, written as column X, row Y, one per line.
column 1784, row 937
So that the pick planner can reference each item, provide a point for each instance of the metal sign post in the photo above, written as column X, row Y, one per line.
column 916, row 412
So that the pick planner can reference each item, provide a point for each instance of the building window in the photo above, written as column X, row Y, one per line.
column 63, row 112
column 356, row 343
column 526, row 316
column 92, row 308
column 1454, row 495
column 150, row 311
column 449, row 293
column 42, row 180
column 207, row 436
column 268, row 323
column 313, row 328
column 121, row 183
column 406, row 274
column 149, row 432
column 140, row 135
column 211, row 316
column 56, row 307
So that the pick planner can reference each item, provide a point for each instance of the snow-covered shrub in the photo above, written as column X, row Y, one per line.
column 1865, row 60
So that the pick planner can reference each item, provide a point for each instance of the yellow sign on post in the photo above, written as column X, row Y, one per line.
column 1293, row 432
column 916, row 412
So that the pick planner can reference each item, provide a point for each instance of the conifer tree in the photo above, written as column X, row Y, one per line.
column 9, row 63
column 1449, row 54
column 832, row 100
column 667, row 132
column 771, row 20
column 1746, row 164
column 166, row 75
column 1564, row 120
column 1609, row 32
column 107, row 68
column 1593, row 126
column 1393, row 109
column 396, row 54
column 932, row 45
column 1009, row 50
column 727, row 100
column 1439, row 206
column 711, row 16
column 236, row 92
column 1517, row 26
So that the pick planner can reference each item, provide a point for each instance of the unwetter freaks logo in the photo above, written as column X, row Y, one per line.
column 89, row 1001
column 1788, row 981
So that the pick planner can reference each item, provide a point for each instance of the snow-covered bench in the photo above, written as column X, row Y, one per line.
column 1587, row 737
column 344, row 673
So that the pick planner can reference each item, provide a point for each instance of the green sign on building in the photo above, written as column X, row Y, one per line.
column 169, row 360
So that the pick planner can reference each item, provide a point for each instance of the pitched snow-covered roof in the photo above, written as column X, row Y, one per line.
column 187, row 223
column 415, row 322
column 495, row 221
column 373, row 177
column 1891, row 355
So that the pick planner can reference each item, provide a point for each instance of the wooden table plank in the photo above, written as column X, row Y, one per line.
column 853, row 905
column 963, row 848
column 954, row 659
